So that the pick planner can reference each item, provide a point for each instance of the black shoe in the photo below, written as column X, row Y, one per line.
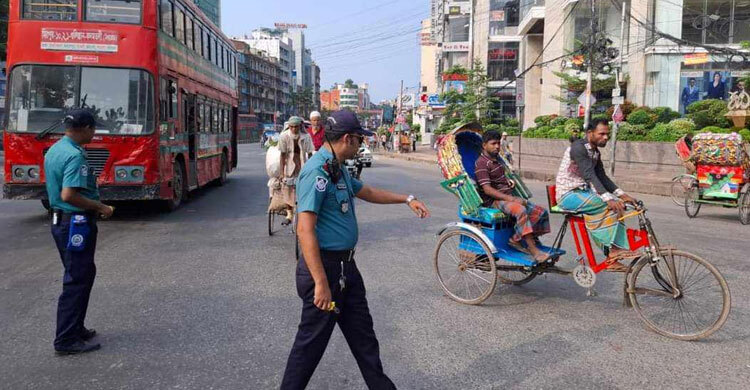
column 88, row 334
column 76, row 348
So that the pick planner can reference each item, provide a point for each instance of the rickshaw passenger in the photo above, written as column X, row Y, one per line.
column 584, row 188
column 496, row 191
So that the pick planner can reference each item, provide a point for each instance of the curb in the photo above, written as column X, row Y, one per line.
column 651, row 188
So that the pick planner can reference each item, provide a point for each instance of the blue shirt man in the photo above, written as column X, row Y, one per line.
column 74, row 202
column 690, row 94
column 328, row 281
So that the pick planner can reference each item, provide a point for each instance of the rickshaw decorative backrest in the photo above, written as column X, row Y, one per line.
column 454, row 158
column 719, row 149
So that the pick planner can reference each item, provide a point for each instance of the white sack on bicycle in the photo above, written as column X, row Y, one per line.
column 273, row 161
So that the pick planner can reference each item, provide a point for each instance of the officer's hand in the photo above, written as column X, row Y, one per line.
column 322, row 296
column 419, row 208
column 616, row 206
column 106, row 211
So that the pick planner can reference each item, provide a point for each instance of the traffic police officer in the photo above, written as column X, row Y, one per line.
column 328, row 280
column 74, row 202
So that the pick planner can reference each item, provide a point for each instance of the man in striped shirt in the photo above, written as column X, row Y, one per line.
column 496, row 191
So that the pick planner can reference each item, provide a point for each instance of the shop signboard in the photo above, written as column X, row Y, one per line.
column 455, row 46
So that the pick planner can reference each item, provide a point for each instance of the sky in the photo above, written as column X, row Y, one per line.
column 368, row 41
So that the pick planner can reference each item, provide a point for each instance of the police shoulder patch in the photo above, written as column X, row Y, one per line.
column 84, row 170
column 321, row 183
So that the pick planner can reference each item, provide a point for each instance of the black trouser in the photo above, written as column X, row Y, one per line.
column 78, row 279
column 316, row 326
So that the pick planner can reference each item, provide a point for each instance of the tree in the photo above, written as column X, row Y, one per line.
column 472, row 104
column 3, row 29
column 302, row 101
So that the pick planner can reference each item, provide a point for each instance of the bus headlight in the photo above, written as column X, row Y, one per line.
column 33, row 173
column 129, row 174
column 25, row 173
column 19, row 173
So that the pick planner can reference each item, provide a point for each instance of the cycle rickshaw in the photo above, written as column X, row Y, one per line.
column 676, row 294
column 723, row 174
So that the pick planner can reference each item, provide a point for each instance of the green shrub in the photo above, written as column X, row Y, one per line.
column 492, row 127
column 712, row 129
column 631, row 132
column 709, row 112
column 559, row 121
column 573, row 127
column 542, row 131
column 513, row 122
column 601, row 116
column 734, row 130
column 745, row 133
column 682, row 126
column 529, row 133
column 544, row 120
column 511, row 130
column 665, row 114
column 662, row 132
column 642, row 116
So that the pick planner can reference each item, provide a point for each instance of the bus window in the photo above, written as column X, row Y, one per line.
column 209, row 47
column 215, row 122
column 223, row 58
column 120, row 98
column 199, row 115
column 227, row 122
column 179, row 25
column 40, row 96
column 118, row 11
column 215, row 52
column 163, row 99
column 167, row 21
column 189, row 38
column 172, row 90
column 66, row 10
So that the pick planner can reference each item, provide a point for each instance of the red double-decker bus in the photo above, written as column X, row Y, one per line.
column 160, row 77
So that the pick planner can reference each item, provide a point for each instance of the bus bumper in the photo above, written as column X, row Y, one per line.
column 39, row 191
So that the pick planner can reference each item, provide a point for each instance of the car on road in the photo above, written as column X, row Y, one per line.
column 365, row 156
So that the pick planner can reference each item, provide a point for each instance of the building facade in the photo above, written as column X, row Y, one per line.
column 355, row 97
column 656, row 69
column 330, row 100
column 212, row 10
column 263, row 92
column 275, row 44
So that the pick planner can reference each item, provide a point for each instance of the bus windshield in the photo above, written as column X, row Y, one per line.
column 121, row 99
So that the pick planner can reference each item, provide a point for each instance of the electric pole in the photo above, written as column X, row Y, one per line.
column 613, row 147
column 400, row 98
column 590, row 76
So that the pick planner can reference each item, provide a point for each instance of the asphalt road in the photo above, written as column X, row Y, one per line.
column 202, row 298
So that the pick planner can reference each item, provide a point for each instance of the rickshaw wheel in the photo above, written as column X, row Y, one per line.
column 512, row 273
column 465, row 276
column 700, row 308
column 692, row 207
column 744, row 206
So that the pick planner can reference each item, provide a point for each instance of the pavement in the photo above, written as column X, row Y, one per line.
column 203, row 298
column 544, row 169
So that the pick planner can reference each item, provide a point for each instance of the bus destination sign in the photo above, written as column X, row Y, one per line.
column 70, row 39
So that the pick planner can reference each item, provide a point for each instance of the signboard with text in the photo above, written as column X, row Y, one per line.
column 455, row 46
column 286, row 26
column 72, row 39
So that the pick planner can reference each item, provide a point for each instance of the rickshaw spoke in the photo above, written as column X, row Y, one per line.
column 459, row 266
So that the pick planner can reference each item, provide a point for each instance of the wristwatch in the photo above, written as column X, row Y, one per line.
column 410, row 198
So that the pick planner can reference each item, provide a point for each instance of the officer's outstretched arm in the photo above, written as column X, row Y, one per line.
column 380, row 196
column 308, row 242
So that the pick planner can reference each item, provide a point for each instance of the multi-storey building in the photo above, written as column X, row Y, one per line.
column 262, row 90
column 352, row 96
column 212, row 10
column 330, row 100
column 656, row 68
column 316, row 85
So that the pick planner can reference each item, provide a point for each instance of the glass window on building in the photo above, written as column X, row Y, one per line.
column 117, row 11
column 502, row 60
column 456, row 58
column 503, row 13
column 503, row 103
column 458, row 28
column 179, row 25
column 167, row 21
column 66, row 10
column 715, row 21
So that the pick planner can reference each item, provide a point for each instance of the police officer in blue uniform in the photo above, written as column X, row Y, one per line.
column 74, row 202
column 328, row 280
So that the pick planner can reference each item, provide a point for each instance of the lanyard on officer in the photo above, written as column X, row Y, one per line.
column 343, row 196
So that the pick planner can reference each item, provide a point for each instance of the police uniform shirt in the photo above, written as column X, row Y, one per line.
column 332, row 202
column 65, row 166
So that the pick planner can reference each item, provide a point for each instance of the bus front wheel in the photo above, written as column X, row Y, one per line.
column 178, row 187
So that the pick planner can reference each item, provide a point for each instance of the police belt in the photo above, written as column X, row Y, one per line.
column 64, row 216
column 347, row 256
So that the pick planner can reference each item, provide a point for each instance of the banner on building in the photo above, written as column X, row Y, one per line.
column 497, row 16
column 695, row 58
column 455, row 46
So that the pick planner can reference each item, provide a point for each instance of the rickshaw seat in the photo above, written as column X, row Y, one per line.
column 485, row 216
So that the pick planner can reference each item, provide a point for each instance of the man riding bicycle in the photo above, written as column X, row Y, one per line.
column 584, row 188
